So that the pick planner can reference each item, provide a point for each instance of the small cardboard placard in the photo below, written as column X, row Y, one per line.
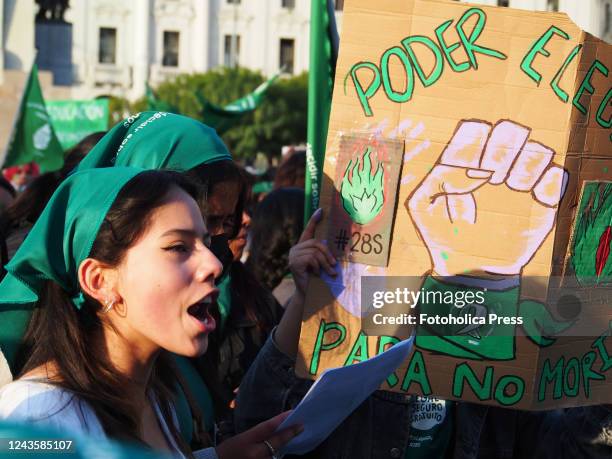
column 499, row 247
column 364, row 198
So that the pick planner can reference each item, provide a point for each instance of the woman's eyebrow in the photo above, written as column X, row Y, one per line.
column 186, row 233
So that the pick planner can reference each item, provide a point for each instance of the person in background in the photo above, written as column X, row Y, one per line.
column 276, row 227
column 7, row 194
column 238, row 244
column 21, row 176
column 387, row 424
column 16, row 222
column 3, row 255
column 292, row 171
column 247, row 314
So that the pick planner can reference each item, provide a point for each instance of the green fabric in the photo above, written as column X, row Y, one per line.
column 200, row 394
column 223, row 118
column 490, row 341
column 224, row 300
column 323, row 54
column 56, row 245
column 220, row 117
column 157, row 140
column 262, row 187
column 33, row 138
column 431, row 428
column 73, row 120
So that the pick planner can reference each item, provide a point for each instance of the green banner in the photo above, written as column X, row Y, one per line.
column 223, row 118
column 220, row 118
column 323, row 56
column 72, row 120
column 33, row 138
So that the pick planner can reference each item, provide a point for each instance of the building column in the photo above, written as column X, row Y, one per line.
column 144, row 42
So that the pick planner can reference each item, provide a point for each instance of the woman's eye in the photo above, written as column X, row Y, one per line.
column 179, row 248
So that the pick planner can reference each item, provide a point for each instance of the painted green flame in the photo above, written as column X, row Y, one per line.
column 362, row 191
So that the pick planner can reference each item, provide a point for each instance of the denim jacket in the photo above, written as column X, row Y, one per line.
column 379, row 427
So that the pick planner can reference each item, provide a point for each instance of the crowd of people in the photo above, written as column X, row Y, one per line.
column 151, row 297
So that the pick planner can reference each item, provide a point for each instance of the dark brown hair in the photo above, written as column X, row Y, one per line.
column 70, row 339
column 275, row 228
column 292, row 171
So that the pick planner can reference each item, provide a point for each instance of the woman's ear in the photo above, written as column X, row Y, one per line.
column 97, row 280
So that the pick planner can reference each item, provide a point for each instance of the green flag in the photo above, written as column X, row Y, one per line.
column 72, row 120
column 223, row 118
column 156, row 105
column 220, row 118
column 323, row 56
column 33, row 138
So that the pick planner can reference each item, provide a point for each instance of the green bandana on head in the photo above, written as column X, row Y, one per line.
column 157, row 140
column 59, row 241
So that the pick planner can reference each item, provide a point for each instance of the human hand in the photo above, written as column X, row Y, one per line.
column 310, row 255
column 492, row 194
column 252, row 443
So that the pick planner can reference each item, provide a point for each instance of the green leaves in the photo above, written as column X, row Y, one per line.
column 591, row 258
column 362, row 190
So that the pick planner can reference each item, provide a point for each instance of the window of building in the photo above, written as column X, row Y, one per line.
column 288, row 3
column 233, row 2
column 503, row 2
column 287, row 50
column 339, row 5
column 171, row 49
column 231, row 50
column 107, row 45
column 552, row 5
column 608, row 24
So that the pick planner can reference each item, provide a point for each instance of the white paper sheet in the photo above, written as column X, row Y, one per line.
column 337, row 393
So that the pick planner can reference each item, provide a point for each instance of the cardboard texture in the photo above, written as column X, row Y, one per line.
column 364, row 198
column 505, row 117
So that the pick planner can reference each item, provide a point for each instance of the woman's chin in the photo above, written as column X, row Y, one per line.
column 197, row 348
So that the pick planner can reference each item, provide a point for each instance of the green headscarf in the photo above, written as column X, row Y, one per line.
column 157, row 140
column 59, row 241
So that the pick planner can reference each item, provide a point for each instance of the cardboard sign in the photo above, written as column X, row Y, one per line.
column 500, row 249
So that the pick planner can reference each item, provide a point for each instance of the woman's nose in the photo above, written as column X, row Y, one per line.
column 210, row 266
column 246, row 220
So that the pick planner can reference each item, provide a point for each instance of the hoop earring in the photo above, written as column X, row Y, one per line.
column 108, row 305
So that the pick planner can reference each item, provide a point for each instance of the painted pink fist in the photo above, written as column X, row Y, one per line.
column 489, row 202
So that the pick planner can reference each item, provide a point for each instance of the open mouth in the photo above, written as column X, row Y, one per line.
column 200, row 311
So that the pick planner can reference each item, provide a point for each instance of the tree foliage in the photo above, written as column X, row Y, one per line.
column 278, row 121
column 118, row 109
